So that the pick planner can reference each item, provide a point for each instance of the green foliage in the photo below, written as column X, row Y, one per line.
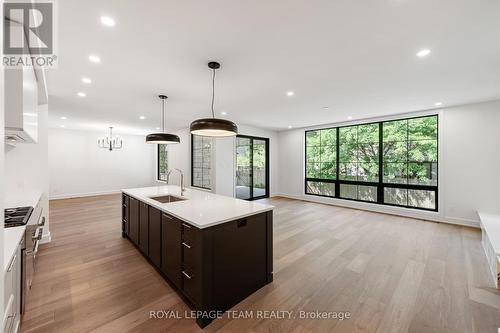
column 422, row 128
column 368, row 133
column 395, row 131
column 244, row 153
column 321, row 154
column 313, row 138
column 328, row 137
column 163, row 160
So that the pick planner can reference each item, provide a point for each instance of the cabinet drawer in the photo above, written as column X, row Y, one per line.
column 191, row 286
column 190, row 234
column 171, row 252
column 9, row 315
column 190, row 256
column 144, row 227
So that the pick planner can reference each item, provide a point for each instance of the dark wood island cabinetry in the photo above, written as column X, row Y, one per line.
column 215, row 267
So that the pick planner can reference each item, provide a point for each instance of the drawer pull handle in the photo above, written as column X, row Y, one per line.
column 186, row 245
column 36, row 236
column 186, row 225
column 187, row 275
column 168, row 217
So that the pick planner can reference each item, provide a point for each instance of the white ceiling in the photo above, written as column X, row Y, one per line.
column 355, row 57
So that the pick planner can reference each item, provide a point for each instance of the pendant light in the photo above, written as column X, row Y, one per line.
column 213, row 126
column 162, row 138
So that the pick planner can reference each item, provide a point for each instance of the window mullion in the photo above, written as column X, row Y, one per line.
column 337, row 152
column 380, row 188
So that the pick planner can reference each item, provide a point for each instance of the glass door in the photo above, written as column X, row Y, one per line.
column 252, row 167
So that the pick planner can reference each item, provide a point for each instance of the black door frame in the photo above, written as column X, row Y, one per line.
column 266, row 140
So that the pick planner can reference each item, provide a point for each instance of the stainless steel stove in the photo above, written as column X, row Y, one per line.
column 34, row 221
column 15, row 217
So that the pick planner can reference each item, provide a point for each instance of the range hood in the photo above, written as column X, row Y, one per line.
column 25, row 89
column 21, row 105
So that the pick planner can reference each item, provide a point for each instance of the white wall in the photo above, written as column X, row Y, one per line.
column 471, row 160
column 223, row 165
column 469, row 166
column 26, row 168
column 179, row 157
column 78, row 167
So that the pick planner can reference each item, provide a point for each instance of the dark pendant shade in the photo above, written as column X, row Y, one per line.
column 162, row 138
column 213, row 127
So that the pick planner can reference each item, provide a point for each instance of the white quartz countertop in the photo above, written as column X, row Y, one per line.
column 12, row 237
column 23, row 199
column 201, row 209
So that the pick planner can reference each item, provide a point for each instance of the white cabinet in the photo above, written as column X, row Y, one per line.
column 490, row 227
column 12, row 294
column 21, row 105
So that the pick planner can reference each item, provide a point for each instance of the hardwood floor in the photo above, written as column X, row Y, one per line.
column 392, row 274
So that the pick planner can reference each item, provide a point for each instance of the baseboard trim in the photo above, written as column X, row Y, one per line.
column 82, row 195
column 419, row 215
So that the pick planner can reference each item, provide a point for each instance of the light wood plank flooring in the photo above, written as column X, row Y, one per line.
column 392, row 274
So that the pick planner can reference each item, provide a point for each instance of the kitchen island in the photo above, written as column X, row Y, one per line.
column 214, row 249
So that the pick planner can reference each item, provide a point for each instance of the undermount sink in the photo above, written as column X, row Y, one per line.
column 168, row 198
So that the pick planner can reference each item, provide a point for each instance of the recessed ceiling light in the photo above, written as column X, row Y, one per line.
column 81, row 94
column 107, row 21
column 86, row 80
column 438, row 104
column 63, row 118
column 94, row 58
column 289, row 126
column 349, row 118
column 223, row 113
column 423, row 53
column 142, row 117
column 157, row 128
column 290, row 93
column 62, row 126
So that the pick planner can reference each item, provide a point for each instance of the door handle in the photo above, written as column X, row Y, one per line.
column 186, row 245
column 187, row 275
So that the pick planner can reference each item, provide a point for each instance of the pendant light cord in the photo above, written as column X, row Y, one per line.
column 163, row 116
column 213, row 92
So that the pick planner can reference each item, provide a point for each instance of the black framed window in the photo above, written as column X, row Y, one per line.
column 321, row 161
column 162, row 159
column 252, row 167
column 201, row 161
column 390, row 162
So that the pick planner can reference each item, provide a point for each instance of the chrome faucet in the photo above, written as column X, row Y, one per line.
column 183, row 188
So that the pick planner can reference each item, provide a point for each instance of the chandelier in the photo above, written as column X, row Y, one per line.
column 109, row 141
